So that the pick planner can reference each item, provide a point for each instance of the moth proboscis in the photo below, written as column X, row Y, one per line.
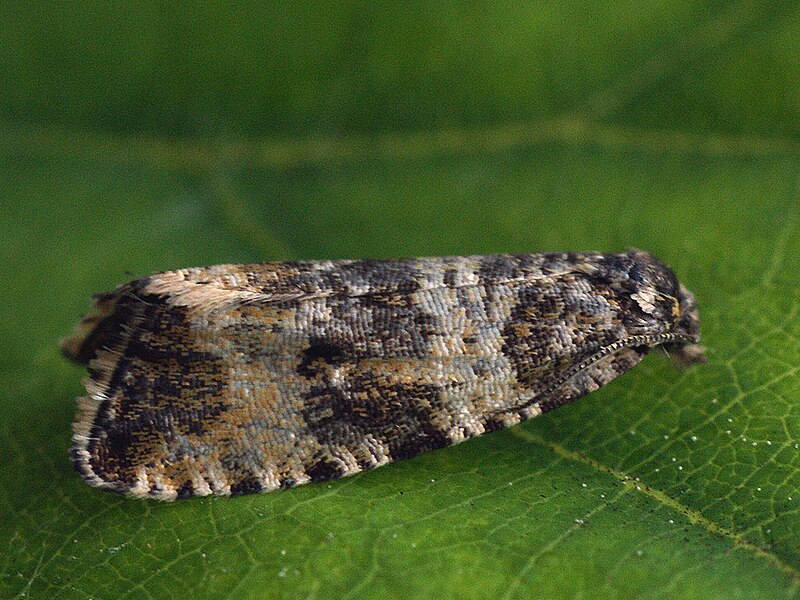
column 234, row 379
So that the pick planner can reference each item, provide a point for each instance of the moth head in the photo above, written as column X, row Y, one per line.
column 660, row 295
column 687, row 325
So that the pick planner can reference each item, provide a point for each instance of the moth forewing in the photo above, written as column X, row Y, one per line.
column 245, row 378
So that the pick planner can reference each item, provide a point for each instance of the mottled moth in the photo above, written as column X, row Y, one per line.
column 234, row 379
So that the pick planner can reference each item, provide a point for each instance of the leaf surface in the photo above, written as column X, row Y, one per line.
column 663, row 484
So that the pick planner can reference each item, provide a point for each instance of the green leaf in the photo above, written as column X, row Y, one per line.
column 638, row 129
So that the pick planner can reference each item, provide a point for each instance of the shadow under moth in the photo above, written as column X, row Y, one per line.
column 235, row 379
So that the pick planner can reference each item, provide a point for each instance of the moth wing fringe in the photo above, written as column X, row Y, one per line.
column 93, row 330
column 98, row 341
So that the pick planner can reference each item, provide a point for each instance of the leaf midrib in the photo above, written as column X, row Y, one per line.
column 694, row 516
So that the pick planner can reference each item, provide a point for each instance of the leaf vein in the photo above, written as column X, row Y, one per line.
column 694, row 516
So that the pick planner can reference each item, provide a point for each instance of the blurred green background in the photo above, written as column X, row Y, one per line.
column 145, row 136
column 340, row 68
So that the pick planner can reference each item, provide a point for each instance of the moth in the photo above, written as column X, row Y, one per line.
column 234, row 379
